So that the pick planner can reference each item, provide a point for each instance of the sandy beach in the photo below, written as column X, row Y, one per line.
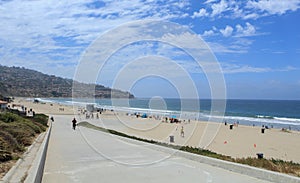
column 241, row 141
column 43, row 107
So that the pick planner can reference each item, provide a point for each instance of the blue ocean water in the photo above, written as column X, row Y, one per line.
column 273, row 113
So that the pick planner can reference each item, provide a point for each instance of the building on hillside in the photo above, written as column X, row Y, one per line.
column 3, row 104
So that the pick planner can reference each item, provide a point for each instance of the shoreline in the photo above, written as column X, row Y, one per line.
column 241, row 141
column 260, row 120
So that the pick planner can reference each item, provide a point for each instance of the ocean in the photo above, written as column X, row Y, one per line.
column 271, row 113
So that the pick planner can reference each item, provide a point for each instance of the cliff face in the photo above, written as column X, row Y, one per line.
column 16, row 81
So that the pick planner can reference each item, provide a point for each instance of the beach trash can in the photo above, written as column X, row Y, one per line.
column 230, row 127
column 262, row 130
column 260, row 155
column 171, row 138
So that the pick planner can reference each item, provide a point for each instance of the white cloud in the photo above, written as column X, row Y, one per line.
column 210, row 1
column 235, row 68
column 239, row 38
column 219, row 48
column 248, row 30
column 251, row 16
column 201, row 13
column 219, row 8
column 288, row 68
column 227, row 31
column 278, row 52
column 275, row 6
column 239, row 31
column 253, row 9
column 208, row 33
column 236, row 11
column 243, row 42
column 55, row 31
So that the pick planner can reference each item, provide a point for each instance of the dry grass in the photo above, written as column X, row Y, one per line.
column 287, row 167
column 5, row 166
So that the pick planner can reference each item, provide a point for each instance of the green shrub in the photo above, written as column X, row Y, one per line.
column 9, row 143
column 41, row 118
column 9, row 117
column 17, row 132
column 33, row 126
column 21, row 132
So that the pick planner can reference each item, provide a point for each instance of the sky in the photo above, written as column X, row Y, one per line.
column 256, row 44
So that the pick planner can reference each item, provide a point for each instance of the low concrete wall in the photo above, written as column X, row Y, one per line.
column 35, row 173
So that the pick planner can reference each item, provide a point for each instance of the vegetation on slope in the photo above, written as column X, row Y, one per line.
column 21, row 82
column 16, row 133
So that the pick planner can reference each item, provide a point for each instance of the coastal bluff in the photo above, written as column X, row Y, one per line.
column 17, row 81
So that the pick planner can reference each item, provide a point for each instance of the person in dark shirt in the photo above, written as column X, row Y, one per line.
column 74, row 123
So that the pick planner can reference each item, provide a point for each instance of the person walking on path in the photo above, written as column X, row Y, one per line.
column 182, row 132
column 74, row 123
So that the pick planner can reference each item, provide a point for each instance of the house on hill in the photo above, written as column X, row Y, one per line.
column 3, row 104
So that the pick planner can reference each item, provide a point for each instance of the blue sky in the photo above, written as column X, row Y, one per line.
column 256, row 42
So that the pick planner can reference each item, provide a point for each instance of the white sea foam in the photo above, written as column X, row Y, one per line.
column 142, row 110
column 288, row 119
column 275, row 120
column 79, row 103
column 46, row 100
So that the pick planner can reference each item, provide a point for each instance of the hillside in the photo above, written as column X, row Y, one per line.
column 16, row 133
column 21, row 82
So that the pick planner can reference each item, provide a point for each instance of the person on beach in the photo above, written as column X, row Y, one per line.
column 182, row 132
column 74, row 123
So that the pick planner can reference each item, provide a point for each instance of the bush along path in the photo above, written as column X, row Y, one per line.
column 16, row 133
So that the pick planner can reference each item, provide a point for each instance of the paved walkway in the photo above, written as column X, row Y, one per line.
column 86, row 155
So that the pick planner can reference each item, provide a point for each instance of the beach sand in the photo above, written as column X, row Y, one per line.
column 241, row 141
column 45, row 108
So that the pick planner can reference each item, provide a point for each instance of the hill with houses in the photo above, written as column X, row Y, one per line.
column 22, row 82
